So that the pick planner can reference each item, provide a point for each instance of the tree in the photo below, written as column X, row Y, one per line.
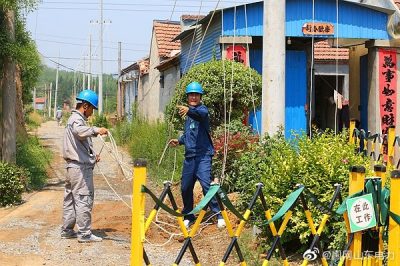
column 221, row 80
column 13, row 48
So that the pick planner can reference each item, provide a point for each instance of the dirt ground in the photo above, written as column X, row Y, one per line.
column 30, row 232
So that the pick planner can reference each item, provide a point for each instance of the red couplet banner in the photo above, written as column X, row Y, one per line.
column 387, row 88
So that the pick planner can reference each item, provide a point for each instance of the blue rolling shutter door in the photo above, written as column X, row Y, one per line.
column 296, row 91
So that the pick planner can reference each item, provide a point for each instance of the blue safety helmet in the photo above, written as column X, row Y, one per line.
column 194, row 87
column 88, row 96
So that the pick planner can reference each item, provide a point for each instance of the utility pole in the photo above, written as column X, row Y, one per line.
column 90, row 63
column 84, row 74
column 9, row 96
column 101, row 59
column 51, row 88
column 273, row 75
column 34, row 99
column 55, row 94
column 46, row 93
column 74, row 91
column 119, row 102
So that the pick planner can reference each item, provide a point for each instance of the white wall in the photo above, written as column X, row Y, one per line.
column 171, row 77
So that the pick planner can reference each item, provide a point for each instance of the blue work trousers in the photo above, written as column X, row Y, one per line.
column 196, row 168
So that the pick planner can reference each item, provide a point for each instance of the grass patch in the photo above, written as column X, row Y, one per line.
column 34, row 158
column 148, row 140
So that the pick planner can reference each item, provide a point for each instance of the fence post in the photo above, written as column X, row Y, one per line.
column 394, row 228
column 138, row 201
column 380, row 171
column 391, row 139
column 351, row 131
column 356, row 183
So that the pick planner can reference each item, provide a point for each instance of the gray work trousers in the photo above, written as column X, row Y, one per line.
column 78, row 200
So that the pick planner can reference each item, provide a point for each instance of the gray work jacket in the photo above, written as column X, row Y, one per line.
column 78, row 146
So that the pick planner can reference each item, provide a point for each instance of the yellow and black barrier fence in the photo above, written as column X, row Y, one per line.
column 384, row 206
column 140, row 226
column 377, row 144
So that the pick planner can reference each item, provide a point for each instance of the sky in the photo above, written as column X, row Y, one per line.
column 62, row 29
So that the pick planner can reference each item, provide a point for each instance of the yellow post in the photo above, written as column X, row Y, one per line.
column 138, row 200
column 394, row 228
column 391, row 138
column 351, row 131
column 356, row 184
column 380, row 171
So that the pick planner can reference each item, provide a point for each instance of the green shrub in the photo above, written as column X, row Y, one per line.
column 33, row 157
column 148, row 140
column 244, row 85
column 13, row 181
column 100, row 121
column 279, row 164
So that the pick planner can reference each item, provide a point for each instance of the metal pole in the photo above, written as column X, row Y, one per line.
column 119, row 102
column 84, row 74
column 101, row 60
column 47, row 99
column 51, row 88
column 274, row 55
column 90, row 62
column 34, row 99
column 55, row 94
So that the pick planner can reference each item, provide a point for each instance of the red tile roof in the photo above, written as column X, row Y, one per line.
column 165, row 32
column 322, row 51
column 40, row 100
column 192, row 17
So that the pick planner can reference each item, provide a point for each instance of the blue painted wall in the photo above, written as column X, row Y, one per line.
column 355, row 21
column 209, row 47
column 296, row 92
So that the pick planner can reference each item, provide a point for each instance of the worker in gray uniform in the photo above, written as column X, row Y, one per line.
column 80, row 157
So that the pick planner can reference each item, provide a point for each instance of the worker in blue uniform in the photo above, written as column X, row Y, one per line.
column 199, row 151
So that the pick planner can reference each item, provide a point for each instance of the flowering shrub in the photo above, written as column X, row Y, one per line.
column 239, row 140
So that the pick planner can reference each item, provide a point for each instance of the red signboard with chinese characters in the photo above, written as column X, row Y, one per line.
column 387, row 88
column 237, row 53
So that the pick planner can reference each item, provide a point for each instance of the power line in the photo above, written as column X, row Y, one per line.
column 83, row 39
column 78, row 58
column 113, row 9
column 84, row 45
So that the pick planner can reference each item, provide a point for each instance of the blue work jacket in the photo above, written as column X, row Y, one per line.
column 196, row 137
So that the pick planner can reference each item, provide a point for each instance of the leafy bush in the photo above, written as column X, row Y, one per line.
column 33, row 157
column 13, row 181
column 279, row 164
column 240, row 139
column 100, row 121
column 244, row 84
column 148, row 140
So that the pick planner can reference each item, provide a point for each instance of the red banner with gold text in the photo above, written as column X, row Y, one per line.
column 387, row 88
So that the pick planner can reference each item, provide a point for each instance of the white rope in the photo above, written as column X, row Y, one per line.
column 205, row 33
column 225, row 124
column 337, row 66
column 250, row 75
column 194, row 35
column 113, row 151
column 226, row 128
column 312, row 71
column 115, row 192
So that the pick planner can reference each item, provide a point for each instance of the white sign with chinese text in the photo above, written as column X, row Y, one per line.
column 361, row 213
